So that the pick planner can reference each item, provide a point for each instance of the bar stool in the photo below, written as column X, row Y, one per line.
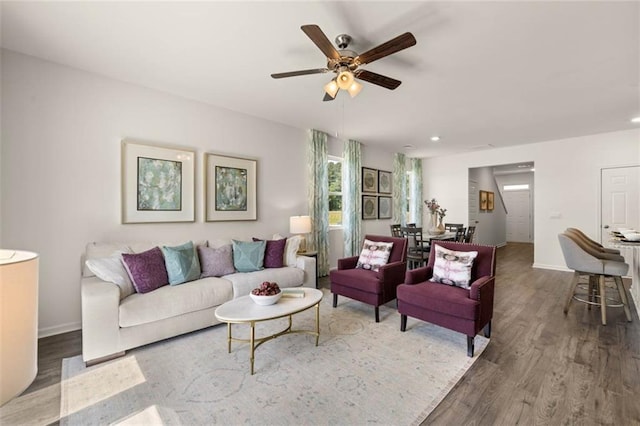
column 597, row 266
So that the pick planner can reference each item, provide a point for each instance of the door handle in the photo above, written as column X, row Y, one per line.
column 606, row 227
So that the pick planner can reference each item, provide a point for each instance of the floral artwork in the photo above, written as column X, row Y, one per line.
column 369, row 180
column 159, row 184
column 384, row 182
column 369, row 207
column 231, row 189
column 384, row 207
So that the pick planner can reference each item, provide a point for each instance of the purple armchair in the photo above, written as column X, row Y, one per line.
column 455, row 308
column 374, row 288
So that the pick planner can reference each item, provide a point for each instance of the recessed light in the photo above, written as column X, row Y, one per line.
column 435, row 138
column 635, row 120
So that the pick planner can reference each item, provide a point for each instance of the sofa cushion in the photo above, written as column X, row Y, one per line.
column 274, row 253
column 171, row 301
column 290, row 249
column 360, row 279
column 182, row 263
column 453, row 267
column 101, row 250
column 285, row 277
column 111, row 269
column 440, row 298
column 374, row 254
column 248, row 256
column 216, row 262
column 146, row 270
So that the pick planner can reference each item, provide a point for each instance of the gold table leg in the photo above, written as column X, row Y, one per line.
column 228, row 337
column 317, row 323
column 252, row 340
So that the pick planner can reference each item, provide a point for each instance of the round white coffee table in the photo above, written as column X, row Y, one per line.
column 243, row 310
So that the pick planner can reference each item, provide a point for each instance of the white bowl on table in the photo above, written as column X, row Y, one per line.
column 266, row 300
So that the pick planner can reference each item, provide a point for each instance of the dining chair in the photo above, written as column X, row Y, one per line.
column 396, row 230
column 460, row 235
column 471, row 231
column 452, row 226
column 417, row 248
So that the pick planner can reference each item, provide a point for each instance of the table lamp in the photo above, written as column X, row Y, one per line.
column 300, row 225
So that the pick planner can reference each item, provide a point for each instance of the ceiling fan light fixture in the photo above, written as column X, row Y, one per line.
column 345, row 79
column 354, row 89
column 331, row 88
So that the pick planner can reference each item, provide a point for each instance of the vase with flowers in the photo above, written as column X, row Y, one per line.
column 434, row 210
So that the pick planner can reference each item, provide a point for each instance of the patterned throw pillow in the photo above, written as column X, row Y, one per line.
column 146, row 270
column 374, row 255
column 182, row 263
column 216, row 262
column 453, row 267
column 290, row 249
column 274, row 253
column 248, row 256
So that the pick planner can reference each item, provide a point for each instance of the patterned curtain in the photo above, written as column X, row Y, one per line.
column 399, row 189
column 351, row 197
column 318, row 198
column 415, row 196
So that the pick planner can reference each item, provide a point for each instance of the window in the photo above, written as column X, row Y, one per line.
column 335, row 191
column 515, row 187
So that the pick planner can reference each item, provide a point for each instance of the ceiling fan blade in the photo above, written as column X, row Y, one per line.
column 327, row 98
column 394, row 45
column 317, row 36
column 301, row 72
column 378, row 79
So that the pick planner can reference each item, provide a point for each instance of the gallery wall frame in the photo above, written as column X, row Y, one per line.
column 369, row 180
column 384, row 207
column 369, row 207
column 384, row 182
column 158, row 183
column 230, row 188
column 490, row 200
column 483, row 200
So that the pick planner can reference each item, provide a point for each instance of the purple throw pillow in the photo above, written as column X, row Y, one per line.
column 274, row 253
column 216, row 262
column 146, row 270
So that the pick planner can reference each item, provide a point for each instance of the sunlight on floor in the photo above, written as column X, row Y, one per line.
column 112, row 378
column 40, row 407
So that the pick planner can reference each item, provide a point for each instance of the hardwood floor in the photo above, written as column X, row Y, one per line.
column 541, row 367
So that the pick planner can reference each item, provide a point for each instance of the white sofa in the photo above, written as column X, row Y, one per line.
column 112, row 324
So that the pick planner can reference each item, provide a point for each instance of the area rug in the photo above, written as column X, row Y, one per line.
column 362, row 372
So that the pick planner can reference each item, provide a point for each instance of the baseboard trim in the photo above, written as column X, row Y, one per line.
column 59, row 329
column 551, row 267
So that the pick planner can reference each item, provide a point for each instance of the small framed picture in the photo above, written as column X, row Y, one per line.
column 384, row 207
column 369, row 207
column 158, row 183
column 384, row 182
column 369, row 180
column 483, row 200
column 490, row 201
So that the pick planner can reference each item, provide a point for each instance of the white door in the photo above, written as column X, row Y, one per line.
column 518, row 205
column 620, row 203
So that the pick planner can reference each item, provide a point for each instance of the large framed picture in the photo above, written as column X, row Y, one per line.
column 369, row 180
column 230, row 188
column 384, row 182
column 384, row 207
column 369, row 207
column 158, row 183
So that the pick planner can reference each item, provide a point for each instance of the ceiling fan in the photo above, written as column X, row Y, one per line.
column 345, row 63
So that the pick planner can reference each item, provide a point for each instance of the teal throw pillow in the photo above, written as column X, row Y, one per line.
column 248, row 256
column 182, row 263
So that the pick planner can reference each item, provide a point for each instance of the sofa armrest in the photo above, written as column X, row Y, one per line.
column 308, row 265
column 100, row 318
column 418, row 275
column 348, row 262
column 392, row 273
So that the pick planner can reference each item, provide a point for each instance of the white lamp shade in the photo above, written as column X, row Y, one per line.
column 345, row 79
column 332, row 88
column 354, row 89
column 300, row 224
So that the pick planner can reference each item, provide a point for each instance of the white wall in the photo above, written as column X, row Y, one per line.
column 60, row 170
column 567, row 181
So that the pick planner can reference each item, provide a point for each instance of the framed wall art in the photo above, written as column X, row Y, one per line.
column 384, row 182
column 483, row 200
column 384, row 207
column 490, row 200
column 369, row 180
column 230, row 188
column 369, row 207
column 158, row 183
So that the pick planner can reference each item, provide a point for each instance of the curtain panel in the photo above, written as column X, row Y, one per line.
column 351, row 197
column 399, row 189
column 318, row 198
column 415, row 196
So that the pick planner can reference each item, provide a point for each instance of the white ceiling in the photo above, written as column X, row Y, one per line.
column 482, row 73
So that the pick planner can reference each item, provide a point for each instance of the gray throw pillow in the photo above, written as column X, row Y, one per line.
column 216, row 262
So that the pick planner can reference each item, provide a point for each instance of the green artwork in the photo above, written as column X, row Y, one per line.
column 159, row 184
column 231, row 189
